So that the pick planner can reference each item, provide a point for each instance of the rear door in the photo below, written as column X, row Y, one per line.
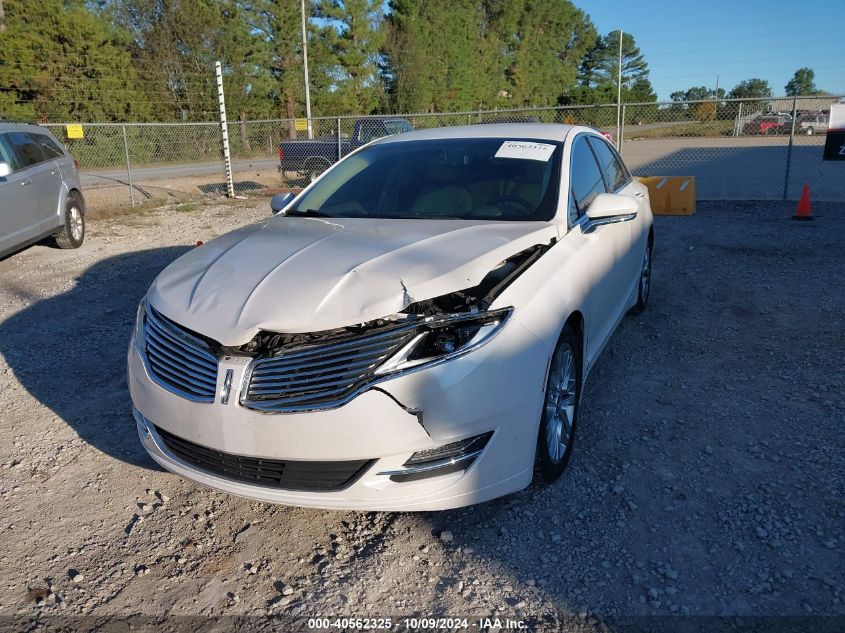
column 60, row 168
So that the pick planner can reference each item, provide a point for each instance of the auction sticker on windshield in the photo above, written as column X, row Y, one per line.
column 525, row 150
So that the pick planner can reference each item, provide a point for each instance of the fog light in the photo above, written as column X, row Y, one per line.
column 449, row 458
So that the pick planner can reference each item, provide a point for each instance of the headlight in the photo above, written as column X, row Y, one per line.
column 443, row 338
column 139, row 324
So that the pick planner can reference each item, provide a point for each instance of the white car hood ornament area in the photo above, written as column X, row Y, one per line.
column 312, row 274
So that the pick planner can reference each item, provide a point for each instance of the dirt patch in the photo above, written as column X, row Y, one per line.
column 706, row 479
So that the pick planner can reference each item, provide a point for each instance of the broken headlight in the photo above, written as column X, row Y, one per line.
column 446, row 337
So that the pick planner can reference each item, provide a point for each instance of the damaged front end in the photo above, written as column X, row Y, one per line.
column 322, row 370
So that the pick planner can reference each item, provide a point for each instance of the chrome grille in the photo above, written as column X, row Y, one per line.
column 321, row 376
column 179, row 361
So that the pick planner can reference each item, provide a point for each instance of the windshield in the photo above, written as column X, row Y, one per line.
column 467, row 179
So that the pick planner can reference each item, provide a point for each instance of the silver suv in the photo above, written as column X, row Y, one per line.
column 812, row 123
column 40, row 193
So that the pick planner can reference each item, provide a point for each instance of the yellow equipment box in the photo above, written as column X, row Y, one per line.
column 671, row 195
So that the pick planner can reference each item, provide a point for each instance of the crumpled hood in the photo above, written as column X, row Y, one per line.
column 293, row 274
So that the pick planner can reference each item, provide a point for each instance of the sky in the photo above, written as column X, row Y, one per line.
column 689, row 43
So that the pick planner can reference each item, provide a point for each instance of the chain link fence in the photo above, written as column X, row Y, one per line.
column 763, row 149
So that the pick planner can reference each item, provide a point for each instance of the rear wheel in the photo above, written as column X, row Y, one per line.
column 72, row 232
column 809, row 131
column 644, row 284
column 560, row 407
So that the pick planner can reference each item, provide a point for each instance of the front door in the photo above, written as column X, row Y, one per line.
column 18, row 207
column 604, row 245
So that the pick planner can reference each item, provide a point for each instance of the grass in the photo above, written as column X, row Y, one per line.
column 692, row 128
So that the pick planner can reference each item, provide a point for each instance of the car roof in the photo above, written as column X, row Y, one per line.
column 12, row 126
column 540, row 131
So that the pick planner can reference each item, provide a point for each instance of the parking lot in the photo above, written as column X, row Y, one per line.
column 707, row 477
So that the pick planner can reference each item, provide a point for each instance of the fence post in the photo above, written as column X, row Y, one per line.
column 128, row 168
column 339, row 147
column 789, row 149
column 224, row 129
column 621, row 141
column 738, row 124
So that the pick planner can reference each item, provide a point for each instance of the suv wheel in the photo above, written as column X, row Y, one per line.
column 72, row 233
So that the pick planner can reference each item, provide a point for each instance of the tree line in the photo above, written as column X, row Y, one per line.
column 145, row 60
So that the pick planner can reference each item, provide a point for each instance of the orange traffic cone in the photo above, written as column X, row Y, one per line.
column 804, row 211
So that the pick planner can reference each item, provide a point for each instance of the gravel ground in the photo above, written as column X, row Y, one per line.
column 707, row 478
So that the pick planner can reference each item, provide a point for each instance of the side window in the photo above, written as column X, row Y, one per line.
column 48, row 146
column 25, row 149
column 611, row 165
column 585, row 179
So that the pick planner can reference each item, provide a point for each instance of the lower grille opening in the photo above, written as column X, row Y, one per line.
column 271, row 473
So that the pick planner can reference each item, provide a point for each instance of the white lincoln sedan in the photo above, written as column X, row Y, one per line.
column 411, row 332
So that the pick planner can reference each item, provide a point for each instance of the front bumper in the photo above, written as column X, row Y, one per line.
column 498, row 388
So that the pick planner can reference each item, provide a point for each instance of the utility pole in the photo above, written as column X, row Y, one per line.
column 619, row 97
column 2, row 18
column 716, row 99
column 305, row 64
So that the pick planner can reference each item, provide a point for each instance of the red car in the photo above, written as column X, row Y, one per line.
column 767, row 124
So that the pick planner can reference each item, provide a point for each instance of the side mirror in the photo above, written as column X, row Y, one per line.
column 280, row 201
column 5, row 170
column 608, row 205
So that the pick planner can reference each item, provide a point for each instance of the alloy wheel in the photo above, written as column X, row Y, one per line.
column 645, row 275
column 560, row 403
column 75, row 221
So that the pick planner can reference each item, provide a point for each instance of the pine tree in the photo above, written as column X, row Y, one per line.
column 455, row 55
column 278, row 23
column 61, row 62
column 353, row 36
column 437, row 55
column 543, row 43
column 600, row 67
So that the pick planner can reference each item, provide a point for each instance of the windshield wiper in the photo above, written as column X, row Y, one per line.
column 312, row 213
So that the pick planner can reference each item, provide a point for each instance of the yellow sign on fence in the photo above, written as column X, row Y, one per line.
column 671, row 195
column 300, row 125
column 74, row 131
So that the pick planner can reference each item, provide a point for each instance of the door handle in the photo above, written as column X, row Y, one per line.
column 26, row 182
column 639, row 194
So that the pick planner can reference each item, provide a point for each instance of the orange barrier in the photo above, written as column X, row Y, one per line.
column 670, row 195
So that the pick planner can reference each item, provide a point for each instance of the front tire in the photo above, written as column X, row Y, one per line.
column 560, row 407
column 72, row 233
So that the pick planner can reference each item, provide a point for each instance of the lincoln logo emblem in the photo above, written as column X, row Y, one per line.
column 227, row 387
